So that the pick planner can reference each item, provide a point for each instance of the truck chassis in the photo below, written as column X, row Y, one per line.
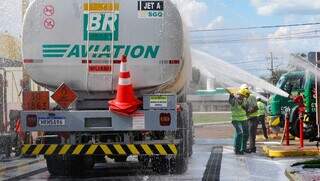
column 74, row 140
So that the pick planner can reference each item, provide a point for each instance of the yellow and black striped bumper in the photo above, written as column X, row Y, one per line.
column 100, row 149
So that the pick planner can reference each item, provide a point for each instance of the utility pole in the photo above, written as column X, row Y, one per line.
column 26, row 78
column 272, row 58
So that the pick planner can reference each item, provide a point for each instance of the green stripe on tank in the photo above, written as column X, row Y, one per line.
column 55, row 50
column 56, row 46
column 53, row 55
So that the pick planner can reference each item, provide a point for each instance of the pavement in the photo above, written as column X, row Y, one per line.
column 247, row 167
column 214, row 131
column 23, row 169
column 18, row 162
column 213, row 155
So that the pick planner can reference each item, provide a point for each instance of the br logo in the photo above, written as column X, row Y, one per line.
column 101, row 21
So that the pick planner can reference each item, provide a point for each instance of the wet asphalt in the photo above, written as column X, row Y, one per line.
column 206, row 162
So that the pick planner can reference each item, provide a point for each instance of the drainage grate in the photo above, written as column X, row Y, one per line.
column 212, row 171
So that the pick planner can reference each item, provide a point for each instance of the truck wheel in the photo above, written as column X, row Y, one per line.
column 144, row 160
column 99, row 159
column 69, row 165
column 309, row 129
column 88, row 162
column 55, row 166
column 160, row 164
column 120, row 158
column 179, row 164
column 191, row 130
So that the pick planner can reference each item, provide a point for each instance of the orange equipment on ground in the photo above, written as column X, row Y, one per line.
column 126, row 102
column 18, row 129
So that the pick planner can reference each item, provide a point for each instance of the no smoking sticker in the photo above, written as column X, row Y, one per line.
column 49, row 23
column 48, row 10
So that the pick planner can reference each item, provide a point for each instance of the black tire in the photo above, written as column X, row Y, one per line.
column 56, row 166
column 69, row 165
column 160, row 164
column 309, row 129
column 88, row 162
column 178, row 165
column 120, row 158
column 191, row 130
column 292, row 129
column 144, row 160
column 99, row 159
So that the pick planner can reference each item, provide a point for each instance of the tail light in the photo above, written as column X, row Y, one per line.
column 32, row 120
column 165, row 119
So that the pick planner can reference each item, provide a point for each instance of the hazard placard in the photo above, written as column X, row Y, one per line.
column 64, row 96
column 35, row 100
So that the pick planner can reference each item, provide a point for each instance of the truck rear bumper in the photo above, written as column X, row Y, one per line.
column 96, row 121
column 100, row 149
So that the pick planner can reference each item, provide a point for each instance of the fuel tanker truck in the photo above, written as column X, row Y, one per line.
column 118, row 70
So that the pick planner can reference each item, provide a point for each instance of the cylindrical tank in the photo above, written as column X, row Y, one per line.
column 80, row 42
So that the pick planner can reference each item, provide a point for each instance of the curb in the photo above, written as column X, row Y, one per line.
column 26, row 175
column 289, row 175
column 21, row 165
column 215, row 112
column 210, row 124
column 274, row 153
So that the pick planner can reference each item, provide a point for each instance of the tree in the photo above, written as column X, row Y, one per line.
column 276, row 75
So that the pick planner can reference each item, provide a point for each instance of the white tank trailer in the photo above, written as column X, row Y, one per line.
column 79, row 43
column 68, row 42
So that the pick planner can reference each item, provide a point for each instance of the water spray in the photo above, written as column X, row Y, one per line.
column 214, row 66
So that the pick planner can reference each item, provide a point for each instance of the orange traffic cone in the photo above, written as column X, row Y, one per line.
column 125, row 103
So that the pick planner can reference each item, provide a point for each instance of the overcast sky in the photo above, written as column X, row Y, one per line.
column 231, row 45
column 10, row 17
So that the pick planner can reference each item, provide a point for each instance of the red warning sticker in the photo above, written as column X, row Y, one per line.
column 99, row 68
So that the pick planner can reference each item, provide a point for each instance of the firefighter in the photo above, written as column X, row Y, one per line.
column 239, row 121
column 252, row 114
column 262, row 116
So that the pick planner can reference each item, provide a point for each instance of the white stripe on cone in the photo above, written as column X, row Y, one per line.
column 123, row 81
column 123, row 67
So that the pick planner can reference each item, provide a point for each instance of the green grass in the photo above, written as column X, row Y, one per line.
column 210, row 117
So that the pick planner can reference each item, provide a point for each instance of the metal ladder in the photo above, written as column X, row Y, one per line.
column 111, row 59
